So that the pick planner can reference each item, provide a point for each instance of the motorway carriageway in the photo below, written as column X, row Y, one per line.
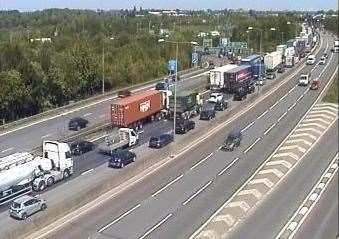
column 29, row 137
column 185, row 194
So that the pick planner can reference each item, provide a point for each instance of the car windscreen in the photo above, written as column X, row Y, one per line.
column 16, row 205
column 154, row 139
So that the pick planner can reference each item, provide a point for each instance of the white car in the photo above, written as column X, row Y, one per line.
column 215, row 97
column 310, row 60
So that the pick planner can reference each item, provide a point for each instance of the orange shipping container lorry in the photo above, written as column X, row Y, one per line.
column 139, row 107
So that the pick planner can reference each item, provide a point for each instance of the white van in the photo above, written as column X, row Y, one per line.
column 310, row 60
column 304, row 79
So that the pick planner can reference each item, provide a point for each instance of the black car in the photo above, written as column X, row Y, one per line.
column 77, row 123
column 80, row 147
column 221, row 105
column 233, row 140
column 250, row 88
column 281, row 69
column 121, row 158
column 325, row 55
column 160, row 141
column 240, row 94
column 207, row 113
column 183, row 126
column 270, row 76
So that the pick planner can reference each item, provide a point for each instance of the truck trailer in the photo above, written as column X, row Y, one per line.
column 133, row 110
column 272, row 60
column 240, row 76
column 22, row 173
column 256, row 63
column 216, row 77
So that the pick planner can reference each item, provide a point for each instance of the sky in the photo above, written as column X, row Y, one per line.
column 31, row 5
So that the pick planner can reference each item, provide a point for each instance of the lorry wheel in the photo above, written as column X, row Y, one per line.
column 41, row 186
column 50, row 181
column 43, row 207
column 66, row 174
column 24, row 216
column 122, row 165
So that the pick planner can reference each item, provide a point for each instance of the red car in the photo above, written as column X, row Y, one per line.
column 315, row 85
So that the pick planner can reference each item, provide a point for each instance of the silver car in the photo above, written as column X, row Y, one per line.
column 25, row 206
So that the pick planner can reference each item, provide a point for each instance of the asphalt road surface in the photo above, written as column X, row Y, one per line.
column 177, row 199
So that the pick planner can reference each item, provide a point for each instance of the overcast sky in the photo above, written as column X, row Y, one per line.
column 29, row 5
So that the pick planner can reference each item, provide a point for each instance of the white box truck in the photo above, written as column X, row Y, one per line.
column 20, row 173
column 272, row 60
column 216, row 76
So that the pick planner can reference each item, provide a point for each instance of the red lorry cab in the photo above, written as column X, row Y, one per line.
column 136, row 108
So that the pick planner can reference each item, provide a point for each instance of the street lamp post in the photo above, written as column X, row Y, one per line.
column 103, row 64
column 176, row 77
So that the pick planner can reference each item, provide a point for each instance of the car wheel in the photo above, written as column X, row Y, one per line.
column 43, row 207
column 78, row 128
column 66, row 174
column 50, row 181
column 41, row 186
column 24, row 216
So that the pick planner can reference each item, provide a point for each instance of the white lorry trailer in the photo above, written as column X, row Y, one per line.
column 216, row 77
column 20, row 173
column 272, row 60
column 336, row 46
column 124, row 138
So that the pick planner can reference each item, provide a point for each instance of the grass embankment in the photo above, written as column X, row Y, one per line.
column 332, row 93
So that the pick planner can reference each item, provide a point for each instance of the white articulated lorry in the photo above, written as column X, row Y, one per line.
column 216, row 77
column 20, row 173
column 273, row 60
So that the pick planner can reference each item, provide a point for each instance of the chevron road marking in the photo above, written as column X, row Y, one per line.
column 291, row 155
column 312, row 124
column 228, row 219
column 293, row 147
column 303, row 135
column 317, row 120
column 316, row 115
column 241, row 204
column 298, row 141
column 275, row 171
column 308, row 129
column 325, row 111
column 280, row 162
column 255, row 192
column 265, row 181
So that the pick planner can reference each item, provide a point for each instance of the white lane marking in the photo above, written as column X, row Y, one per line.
column 148, row 86
column 292, row 106
column 282, row 116
column 88, row 114
column 228, row 166
column 88, row 171
column 248, row 126
column 274, row 104
column 156, row 226
column 252, row 145
column 45, row 136
column 119, row 218
column 299, row 98
column 197, row 192
column 201, row 161
column 6, row 150
column 263, row 114
column 167, row 185
column 269, row 129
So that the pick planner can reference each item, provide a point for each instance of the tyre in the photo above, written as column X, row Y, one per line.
column 41, row 186
column 24, row 216
column 66, row 174
column 43, row 207
column 133, row 159
column 50, row 181
column 78, row 128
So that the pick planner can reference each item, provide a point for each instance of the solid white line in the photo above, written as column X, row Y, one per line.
column 269, row 129
column 6, row 150
column 88, row 114
column 88, row 171
column 156, row 226
column 228, row 166
column 248, row 126
column 252, row 145
column 119, row 218
column 166, row 186
column 282, row 116
column 201, row 161
column 45, row 136
column 196, row 193
column 263, row 114
column 292, row 106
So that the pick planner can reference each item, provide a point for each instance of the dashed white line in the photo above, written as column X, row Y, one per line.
column 119, row 218
column 299, row 98
column 270, row 128
column 45, row 136
column 248, row 126
column 166, row 186
column 6, row 150
column 88, row 114
column 197, row 192
column 156, row 226
column 263, row 114
column 274, row 105
column 228, row 166
column 292, row 106
column 88, row 171
column 282, row 116
column 201, row 161
column 252, row 145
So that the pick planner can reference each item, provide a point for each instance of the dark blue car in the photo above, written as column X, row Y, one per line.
column 160, row 141
column 121, row 158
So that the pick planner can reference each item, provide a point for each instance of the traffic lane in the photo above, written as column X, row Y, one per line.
column 28, row 138
column 322, row 222
column 169, row 201
column 284, row 200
